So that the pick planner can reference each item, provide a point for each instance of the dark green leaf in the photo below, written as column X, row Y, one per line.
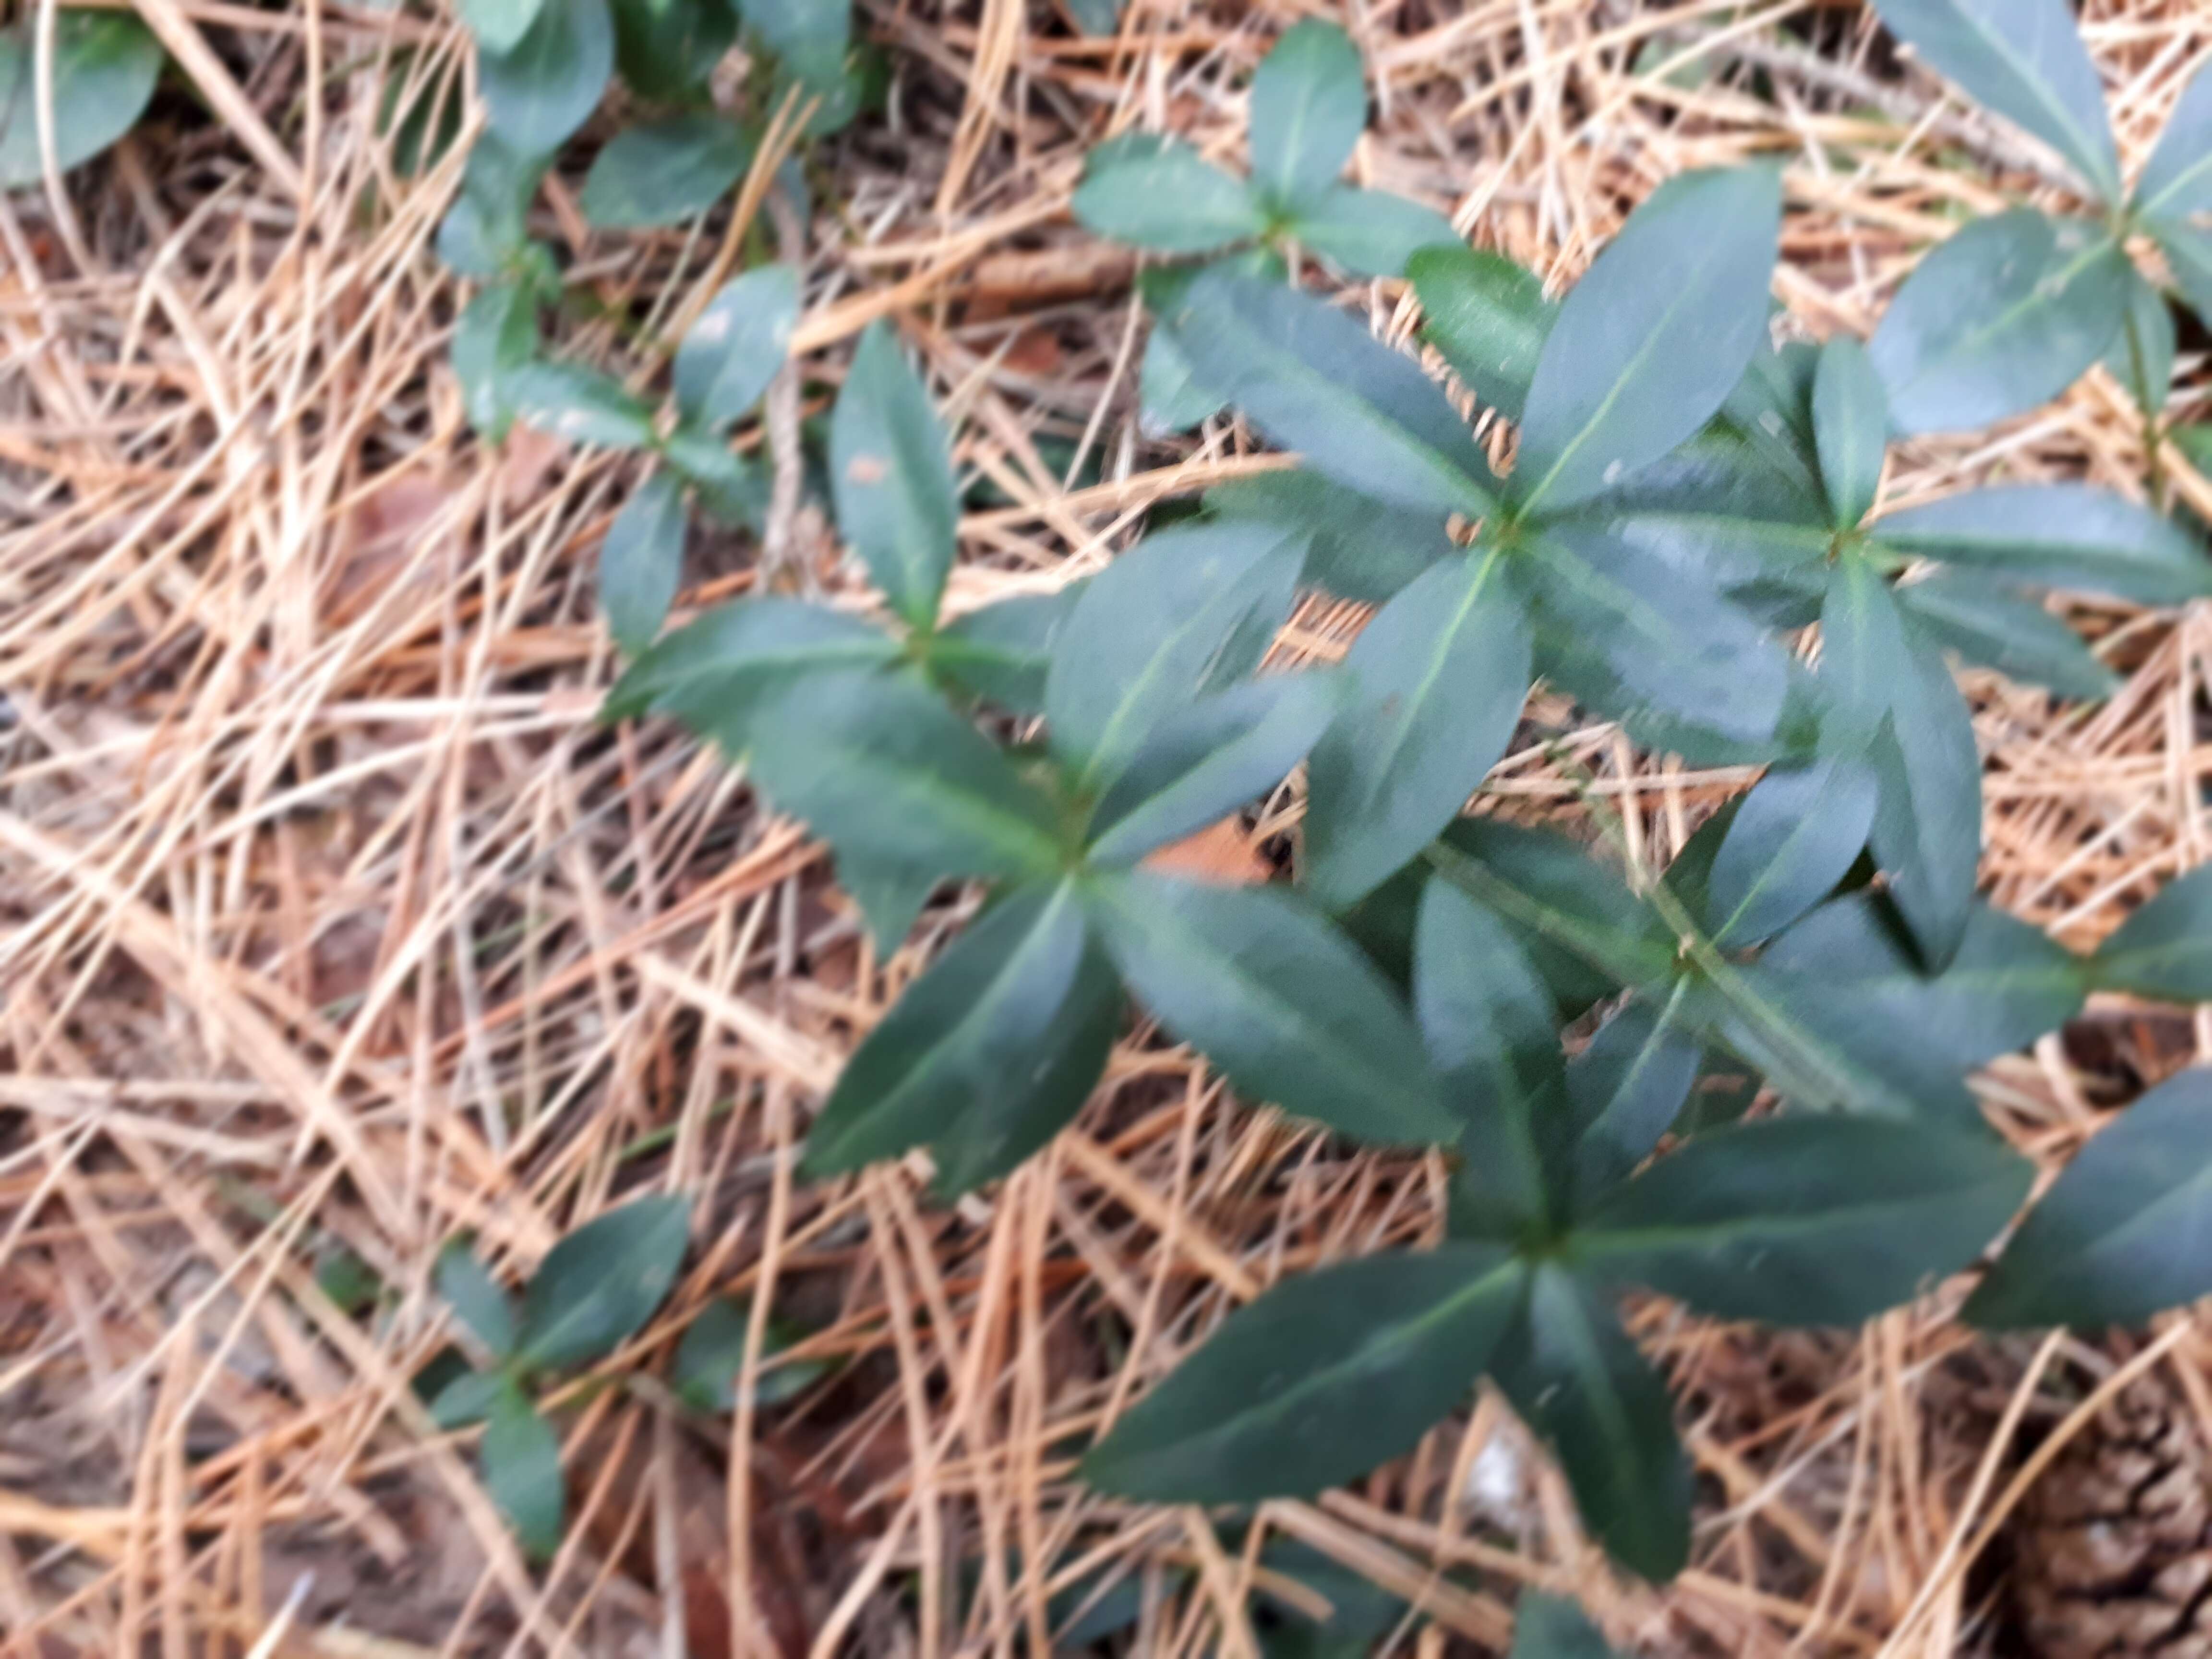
column 1851, row 424
column 540, row 92
column 663, row 173
column 1002, row 652
column 2189, row 254
column 1653, row 639
column 890, row 895
column 1993, row 627
column 2164, row 951
column 1578, row 1381
column 469, row 1398
column 892, row 471
column 1439, row 676
column 521, row 1457
column 2141, row 356
column 1314, row 379
column 986, row 1056
column 1170, row 397
column 2003, row 317
column 879, row 768
column 1095, row 16
column 2121, row 1236
column 1649, row 342
column 809, row 36
column 2064, row 535
column 666, row 49
column 473, row 1294
column 1360, row 1614
column 1769, row 413
column 598, row 1285
column 499, row 24
column 713, row 673
column 1491, row 1030
column 1308, row 107
column 1357, row 547
column 713, row 1352
column 106, row 63
column 484, row 232
column 1626, row 1090
column 1807, row 1220
column 642, row 562
column 733, row 490
column 2176, row 180
column 2024, row 60
column 1322, row 1378
column 495, row 336
column 734, row 349
column 1369, row 232
column 1184, row 613
column 1209, row 759
column 1551, row 1627
column 1159, row 192
column 1557, row 895
column 1277, row 999
column 1488, row 316
column 1797, row 835
column 582, row 404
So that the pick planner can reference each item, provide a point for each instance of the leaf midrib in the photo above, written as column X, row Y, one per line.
column 1975, row 340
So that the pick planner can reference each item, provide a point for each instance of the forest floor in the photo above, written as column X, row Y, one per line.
column 332, row 924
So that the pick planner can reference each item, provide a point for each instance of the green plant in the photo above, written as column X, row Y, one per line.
column 594, row 1291
column 1309, row 106
column 105, row 66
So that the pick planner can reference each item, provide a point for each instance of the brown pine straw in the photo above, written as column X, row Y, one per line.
column 331, row 921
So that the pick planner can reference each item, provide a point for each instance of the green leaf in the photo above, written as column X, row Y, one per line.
column 1898, row 706
column 1368, row 233
column 1797, row 835
column 1577, row 1381
column 598, row 1285
column 642, row 562
column 1209, row 759
column 1649, row 638
column 539, row 91
column 2177, row 181
column 1851, row 424
column 892, row 470
column 485, row 231
column 1095, row 17
column 713, row 674
column 2024, row 59
column 1557, row 895
column 1277, row 999
column 666, row 49
column 1649, row 342
column 1995, row 626
column 2121, row 1236
column 986, row 1056
column 1313, row 379
column 1309, row 108
column 469, row 1398
column 2063, row 535
column 494, row 335
column 1553, row 1627
column 879, row 768
column 582, row 404
column 522, row 1458
column 105, row 64
column 663, row 173
column 734, row 349
column 1489, row 1024
column 712, row 1353
column 499, row 25
column 1187, row 612
column 1439, row 676
column 1625, row 1089
column 1357, row 547
column 1488, row 316
column 890, row 895
column 1805, row 1220
column 2163, row 952
column 472, row 1293
column 2141, row 356
column 2189, row 251
column 1159, row 192
column 1769, row 413
column 1001, row 653
column 1170, row 397
column 733, row 490
column 1323, row 1378
column 2003, row 317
